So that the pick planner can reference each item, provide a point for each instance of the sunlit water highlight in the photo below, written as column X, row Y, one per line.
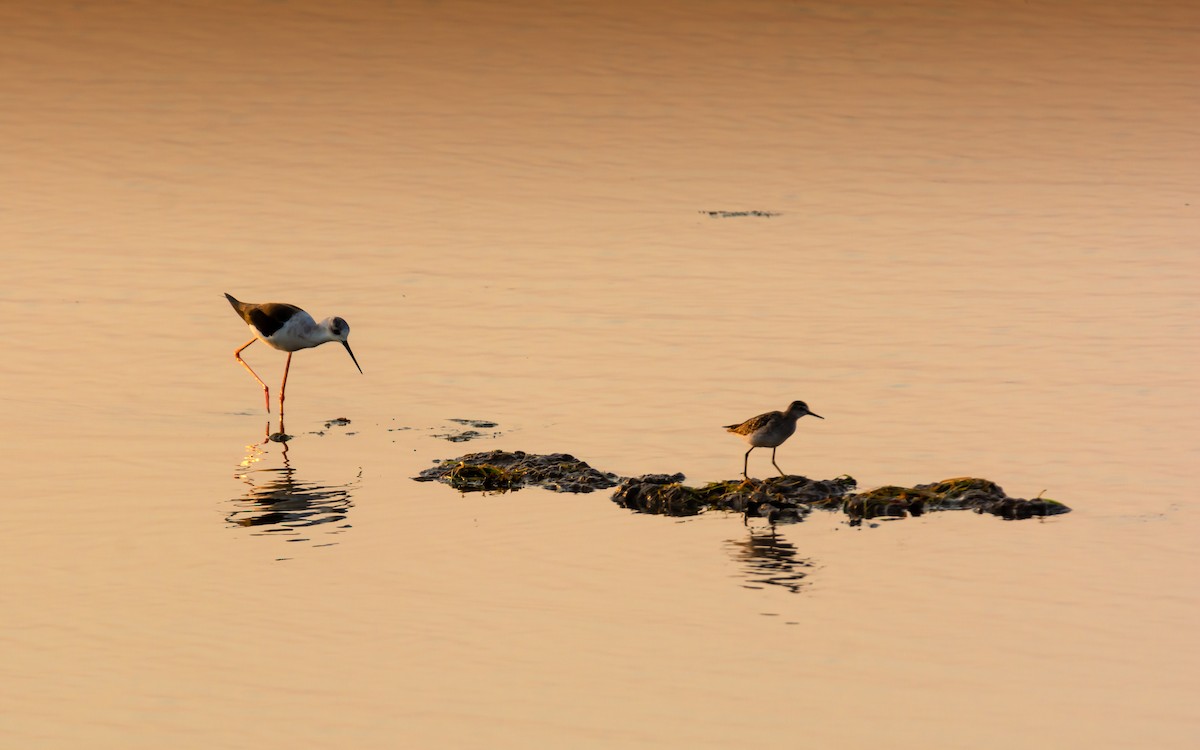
column 980, row 260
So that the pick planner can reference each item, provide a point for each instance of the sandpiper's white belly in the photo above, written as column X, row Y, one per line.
column 772, row 435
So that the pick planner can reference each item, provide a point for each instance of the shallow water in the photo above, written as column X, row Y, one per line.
column 982, row 262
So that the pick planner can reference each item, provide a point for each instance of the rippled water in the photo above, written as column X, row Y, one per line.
column 963, row 233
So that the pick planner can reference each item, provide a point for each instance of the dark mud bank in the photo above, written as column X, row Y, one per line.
column 787, row 499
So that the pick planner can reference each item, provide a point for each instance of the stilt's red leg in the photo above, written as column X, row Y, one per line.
column 283, row 387
column 266, row 391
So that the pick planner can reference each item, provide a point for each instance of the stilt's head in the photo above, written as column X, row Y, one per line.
column 799, row 409
column 339, row 330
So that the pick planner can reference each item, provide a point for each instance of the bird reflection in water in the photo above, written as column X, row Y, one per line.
column 768, row 559
column 278, row 503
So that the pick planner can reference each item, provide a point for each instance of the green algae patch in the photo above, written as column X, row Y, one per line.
column 962, row 493
column 889, row 501
column 985, row 496
column 482, row 478
column 560, row 472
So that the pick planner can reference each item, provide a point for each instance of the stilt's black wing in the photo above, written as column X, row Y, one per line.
column 269, row 318
column 266, row 318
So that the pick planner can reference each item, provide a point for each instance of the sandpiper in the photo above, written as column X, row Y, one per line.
column 770, row 430
column 289, row 329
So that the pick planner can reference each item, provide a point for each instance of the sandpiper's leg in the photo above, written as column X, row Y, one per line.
column 266, row 391
column 746, row 463
column 283, row 388
column 775, row 464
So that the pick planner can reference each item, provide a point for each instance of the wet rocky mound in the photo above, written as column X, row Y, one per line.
column 791, row 498
column 962, row 493
column 778, row 499
column 500, row 471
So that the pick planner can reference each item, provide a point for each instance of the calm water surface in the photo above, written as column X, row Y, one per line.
column 982, row 262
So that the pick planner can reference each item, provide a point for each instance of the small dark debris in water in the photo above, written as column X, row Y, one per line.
column 338, row 422
column 481, row 423
column 559, row 472
column 279, row 437
column 465, row 435
column 460, row 437
column 398, row 429
column 738, row 214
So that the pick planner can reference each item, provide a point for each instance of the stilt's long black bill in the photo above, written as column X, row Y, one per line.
column 347, row 345
column 811, row 414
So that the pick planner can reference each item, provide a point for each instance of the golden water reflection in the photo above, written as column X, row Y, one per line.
column 277, row 502
column 768, row 559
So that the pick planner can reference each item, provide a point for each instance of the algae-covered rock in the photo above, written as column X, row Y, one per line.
column 960, row 493
column 659, row 494
column 888, row 501
column 984, row 496
column 785, row 499
column 511, row 470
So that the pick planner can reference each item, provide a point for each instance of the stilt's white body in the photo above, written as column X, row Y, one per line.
column 288, row 329
column 300, row 332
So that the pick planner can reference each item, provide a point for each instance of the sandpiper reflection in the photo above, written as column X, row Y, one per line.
column 277, row 502
column 768, row 559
